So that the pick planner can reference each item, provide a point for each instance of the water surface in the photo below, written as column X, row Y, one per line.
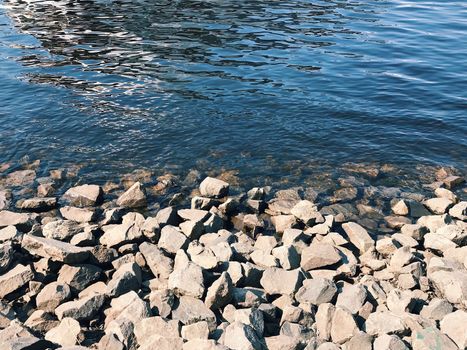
column 262, row 87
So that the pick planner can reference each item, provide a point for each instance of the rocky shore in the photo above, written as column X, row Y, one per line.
column 214, row 267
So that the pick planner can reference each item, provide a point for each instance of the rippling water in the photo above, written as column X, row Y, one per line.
column 257, row 86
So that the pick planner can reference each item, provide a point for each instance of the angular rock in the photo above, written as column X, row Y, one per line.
column 436, row 309
column 14, row 279
column 283, row 222
column 67, row 333
column 343, row 326
column 167, row 216
column 454, row 326
column 280, row 281
column 81, row 215
column 324, row 320
column 187, row 277
column 389, row 342
column 214, row 188
column 319, row 255
column 125, row 279
column 147, row 328
column 79, row 277
column 307, row 212
column 39, row 204
column 41, row 321
column 352, row 297
column 358, row 236
column 459, row 211
column 438, row 205
column 110, row 342
column 22, row 221
column 198, row 330
column 316, row 291
column 52, row 295
column 54, row 249
column 431, row 338
column 383, row 322
column 220, row 292
column 239, row 336
column 82, row 309
column 116, row 235
column 84, row 195
column 190, row 310
column 172, row 239
column 160, row 264
column 6, row 256
column 134, row 197
column 10, row 233
column 288, row 257
column 62, row 230
column 193, row 214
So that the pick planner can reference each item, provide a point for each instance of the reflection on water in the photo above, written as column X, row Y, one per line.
column 233, row 83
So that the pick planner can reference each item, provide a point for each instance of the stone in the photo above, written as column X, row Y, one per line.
column 436, row 309
column 283, row 222
column 343, row 326
column 22, row 221
column 251, row 317
column 110, row 342
column 396, row 222
column 438, row 205
column 6, row 256
column 190, row 310
column 147, row 328
column 213, row 188
column 454, row 326
column 39, row 204
column 54, row 249
column 438, row 242
column 400, row 302
column 401, row 257
column 220, row 292
column 79, row 277
column 52, row 295
column 10, row 233
column 80, row 215
column 83, row 239
column 445, row 193
column 198, row 330
column 172, row 239
column 434, row 222
column 192, row 229
column 328, row 346
column 360, row 341
column 134, row 197
column 115, row 235
column 282, row 342
column 41, row 321
column 306, row 212
column 167, row 216
column 280, row 281
column 358, row 236
column 263, row 259
column 453, row 181
column 203, row 344
column 384, row 322
column 129, row 307
column 451, row 285
column 187, row 277
column 14, row 279
column 323, row 319
column 288, row 257
column 67, row 333
column 239, row 336
column 459, row 211
column 82, row 309
column 62, row 230
column 316, row 291
column 84, row 195
column 319, row 255
column 414, row 231
column 389, row 342
column 159, row 264
column 431, row 338
column 401, row 208
column 193, row 214
column 352, row 297
column 126, row 278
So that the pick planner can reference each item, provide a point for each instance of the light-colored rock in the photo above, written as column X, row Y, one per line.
column 454, row 325
column 434, row 222
column 263, row 259
column 307, row 212
column 352, row 297
column 324, row 320
column 431, row 338
column 212, row 187
column 54, row 249
column 282, row 342
column 436, row 309
column 187, row 277
column 67, row 333
column 115, row 235
column 384, row 322
column 159, row 264
column 401, row 208
column 220, row 292
column 82, row 309
column 134, row 197
column 79, row 277
column 438, row 242
column 288, row 256
column 22, row 221
column 358, row 236
column 280, row 281
column 39, row 204
column 14, row 279
column 451, row 285
column 319, row 255
column 84, row 195
column 389, row 342
column 438, row 205
column 52, row 295
column 316, row 291
column 251, row 317
column 198, row 330
column 239, row 336
column 283, row 222
column 41, row 321
column 172, row 239
column 110, row 342
column 190, row 310
column 203, row 344
column 126, row 278
column 360, row 341
column 147, row 328
column 459, row 211
column 10, row 233
column 81, row 215
column 6, row 256
column 343, row 326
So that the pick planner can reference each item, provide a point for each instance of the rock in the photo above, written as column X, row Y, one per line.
column 62, row 230
column 190, row 310
column 147, row 328
column 52, row 295
column 434, row 222
column 352, row 297
column 193, row 214
column 436, row 309
column 10, row 233
column 383, row 322
column 319, row 255
column 198, row 330
column 110, row 342
column 454, row 326
column 282, row 342
column 41, row 321
column 187, row 277
column 81, row 215
column 21, row 177
column 251, row 317
column 453, row 181
column 22, row 221
column 53, row 249
column 280, row 281
column 283, row 222
column 358, row 236
column 459, row 211
column 431, row 338
column 389, row 342
column 167, row 216
column 451, row 285
column 445, row 193
column 79, row 277
column 203, row 344
column 316, row 291
column 401, row 208
column 396, row 222
column 328, row 346
column 134, row 197
column 343, row 326
column 324, row 320
column 438, row 242
column 84, row 195
column 67, row 333
column 414, row 231
column 220, row 292
column 213, row 188
column 307, row 212
column 264, row 259
column 288, row 257
column 116, row 235
column 160, row 264
column 39, row 204
column 192, row 229
column 239, row 336
column 125, row 279
column 82, row 309
column 438, row 205
column 6, row 256
column 14, row 279
column 129, row 307
column 172, row 239
column 360, row 341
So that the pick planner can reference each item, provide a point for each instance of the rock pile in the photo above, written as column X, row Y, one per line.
column 247, row 271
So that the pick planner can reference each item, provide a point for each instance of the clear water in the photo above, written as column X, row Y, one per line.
column 260, row 87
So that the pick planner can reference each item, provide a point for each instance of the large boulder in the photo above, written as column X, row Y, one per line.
column 134, row 197
column 84, row 195
column 212, row 187
column 54, row 249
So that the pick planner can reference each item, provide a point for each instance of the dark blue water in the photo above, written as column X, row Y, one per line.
column 261, row 87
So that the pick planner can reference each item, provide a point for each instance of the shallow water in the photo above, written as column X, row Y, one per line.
column 262, row 87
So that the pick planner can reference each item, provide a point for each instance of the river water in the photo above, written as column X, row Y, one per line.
column 261, row 88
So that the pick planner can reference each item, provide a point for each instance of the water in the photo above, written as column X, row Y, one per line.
column 259, row 87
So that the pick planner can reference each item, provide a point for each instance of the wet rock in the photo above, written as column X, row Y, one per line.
column 134, row 197
column 280, row 281
column 52, row 295
column 14, row 279
column 21, row 177
column 67, row 333
column 22, row 221
column 39, row 204
column 358, row 236
column 316, row 291
column 82, row 309
column 81, row 215
column 454, row 326
column 125, row 279
column 319, row 255
column 84, row 195
column 212, row 187
column 220, row 292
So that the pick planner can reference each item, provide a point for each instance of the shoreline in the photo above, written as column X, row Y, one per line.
column 202, row 263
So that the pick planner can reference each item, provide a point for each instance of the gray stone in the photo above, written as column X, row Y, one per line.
column 110, row 342
column 81, row 215
column 115, row 235
column 316, row 291
column 14, row 279
column 343, row 326
column 52, row 295
column 147, row 328
column 125, row 279
column 79, row 277
column 6, row 256
column 288, row 257
column 82, row 309
column 187, row 277
column 134, row 197
column 436, row 309
column 62, row 230
column 39, row 204
column 307, row 212
column 191, row 310
column 193, row 214
column 67, row 333
column 352, row 297
column 22, row 221
column 84, row 195
column 358, row 236
column 54, row 249
column 239, row 336
column 383, row 322
column 198, row 330
column 454, row 326
column 389, row 342
column 431, row 338
column 280, row 281
column 167, row 216
column 172, row 239
column 160, row 264
column 319, row 255
column 220, row 292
